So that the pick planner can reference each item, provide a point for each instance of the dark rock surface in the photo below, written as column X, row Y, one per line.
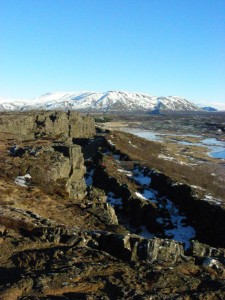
column 208, row 217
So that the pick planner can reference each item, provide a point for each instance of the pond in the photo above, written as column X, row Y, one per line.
column 216, row 148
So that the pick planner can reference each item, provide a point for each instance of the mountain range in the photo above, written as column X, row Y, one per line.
column 111, row 101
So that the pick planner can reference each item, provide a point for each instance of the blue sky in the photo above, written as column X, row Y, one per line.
column 159, row 47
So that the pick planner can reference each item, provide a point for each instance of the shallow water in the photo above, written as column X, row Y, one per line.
column 219, row 154
column 146, row 134
column 213, row 142
column 216, row 148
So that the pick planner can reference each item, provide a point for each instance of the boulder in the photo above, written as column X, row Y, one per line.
column 198, row 249
column 132, row 247
column 160, row 250
column 54, row 171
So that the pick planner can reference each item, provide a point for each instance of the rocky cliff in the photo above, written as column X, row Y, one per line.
column 57, row 166
column 59, row 125
column 81, row 220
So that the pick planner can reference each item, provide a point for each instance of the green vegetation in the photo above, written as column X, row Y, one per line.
column 102, row 119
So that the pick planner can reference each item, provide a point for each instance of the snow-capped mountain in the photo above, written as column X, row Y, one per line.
column 175, row 103
column 114, row 101
column 11, row 104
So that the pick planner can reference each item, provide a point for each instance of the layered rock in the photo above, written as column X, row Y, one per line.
column 53, row 170
column 131, row 247
column 59, row 125
column 202, row 250
column 75, row 185
column 140, row 211
column 57, row 166
column 207, row 216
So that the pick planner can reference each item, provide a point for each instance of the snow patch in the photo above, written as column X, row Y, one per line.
column 141, row 178
column 165, row 157
column 89, row 177
column 111, row 143
column 172, row 221
column 23, row 180
column 128, row 173
column 145, row 233
column 210, row 198
column 140, row 196
column 114, row 200
column 132, row 144
column 150, row 194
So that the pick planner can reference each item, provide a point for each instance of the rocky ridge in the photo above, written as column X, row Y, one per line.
column 71, row 229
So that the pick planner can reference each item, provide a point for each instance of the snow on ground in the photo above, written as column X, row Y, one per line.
column 89, row 177
column 23, row 180
column 210, row 198
column 111, row 143
column 183, row 163
column 165, row 157
column 173, row 222
column 114, row 200
column 181, row 232
column 140, row 177
column 197, row 187
column 211, row 262
column 150, row 194
column 145, row 233
column 132, row 144
column 140, row 196
column 128, row 173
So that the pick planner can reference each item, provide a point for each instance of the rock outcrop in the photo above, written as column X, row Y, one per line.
column 53, row 170
column 59, row 125
column 57, row 166
column 131, row 247
column 75, row 185
column 207, row 216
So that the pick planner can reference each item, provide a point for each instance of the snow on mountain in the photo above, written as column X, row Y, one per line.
column 95, row 101
column 11, row 105
column 175, row 103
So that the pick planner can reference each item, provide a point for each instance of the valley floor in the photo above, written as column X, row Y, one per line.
column 191, row 145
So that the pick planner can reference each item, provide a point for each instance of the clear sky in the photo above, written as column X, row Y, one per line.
column 159, row 47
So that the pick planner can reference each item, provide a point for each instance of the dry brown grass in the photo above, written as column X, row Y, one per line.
column 209, row 175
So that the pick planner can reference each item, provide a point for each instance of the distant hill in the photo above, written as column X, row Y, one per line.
column 111, row 101
column 209, row 108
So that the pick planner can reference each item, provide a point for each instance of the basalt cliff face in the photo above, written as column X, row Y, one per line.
column 53, row 125
column 75, row 222
column 62, row 169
